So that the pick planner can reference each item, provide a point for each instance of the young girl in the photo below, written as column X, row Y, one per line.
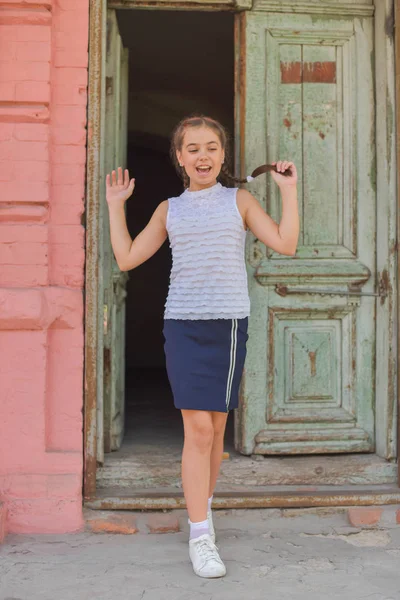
column 207, row 309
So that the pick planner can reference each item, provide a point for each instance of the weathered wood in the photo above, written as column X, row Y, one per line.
column 397, row 288
column 173, row 4
column 317, row 272
column 117, row 399
column 353, row 8
column 93, row 279
column 339, row 7
column 386, row 309
column 310, row 363
column 148, row 465
column 144, row 500
column 114, row 281
column 111, row 150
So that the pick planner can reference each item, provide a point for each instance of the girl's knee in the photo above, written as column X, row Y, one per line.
column 219, row 424
column 219, row 430
column 199, row 431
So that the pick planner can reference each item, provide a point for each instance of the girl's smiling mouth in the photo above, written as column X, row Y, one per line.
column 203, row 170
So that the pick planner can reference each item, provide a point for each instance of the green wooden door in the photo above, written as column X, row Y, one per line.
column 114, row 281
column 308, row 385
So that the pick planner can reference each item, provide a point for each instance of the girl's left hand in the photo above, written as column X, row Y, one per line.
column 284, row 180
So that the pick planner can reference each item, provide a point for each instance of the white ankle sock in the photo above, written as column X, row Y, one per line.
column 198, row 529
column 210, row 502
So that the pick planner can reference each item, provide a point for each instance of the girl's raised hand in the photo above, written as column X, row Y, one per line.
column 284, row 180
column 118, row 187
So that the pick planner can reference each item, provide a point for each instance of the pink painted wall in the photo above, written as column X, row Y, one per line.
column 43, row 97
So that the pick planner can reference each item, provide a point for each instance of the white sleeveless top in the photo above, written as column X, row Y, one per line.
column 208, row 277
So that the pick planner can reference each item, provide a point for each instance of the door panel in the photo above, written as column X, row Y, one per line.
column 115, row 141
column 309, row 375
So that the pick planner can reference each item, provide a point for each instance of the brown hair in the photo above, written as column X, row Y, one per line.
column 203, row 121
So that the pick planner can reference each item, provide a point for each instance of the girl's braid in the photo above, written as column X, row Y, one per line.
column 259, row 171
column 228, row 175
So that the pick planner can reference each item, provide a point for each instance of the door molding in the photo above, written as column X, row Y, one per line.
column 207, row 5
column 362, row 8
column 93, row 307
column 338, row 8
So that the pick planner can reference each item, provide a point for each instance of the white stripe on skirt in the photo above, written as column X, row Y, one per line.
column 232, row 361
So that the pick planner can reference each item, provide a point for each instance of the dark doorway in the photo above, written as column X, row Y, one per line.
column 180, row 63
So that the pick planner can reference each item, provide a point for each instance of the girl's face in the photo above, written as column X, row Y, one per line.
column 201, row 156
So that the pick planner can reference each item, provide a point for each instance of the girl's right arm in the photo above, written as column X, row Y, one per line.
column 130, row 254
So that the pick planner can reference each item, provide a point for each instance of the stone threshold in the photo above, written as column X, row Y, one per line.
column 261, row 497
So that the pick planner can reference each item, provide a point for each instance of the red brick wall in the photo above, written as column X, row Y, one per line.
column 43, row 101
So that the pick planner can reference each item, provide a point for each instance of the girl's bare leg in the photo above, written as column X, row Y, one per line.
column 198, row 442
column 219, row 424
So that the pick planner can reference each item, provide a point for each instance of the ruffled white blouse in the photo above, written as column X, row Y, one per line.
column 208, row 278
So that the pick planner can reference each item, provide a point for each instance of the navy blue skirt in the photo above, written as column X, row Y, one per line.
column 205, row 360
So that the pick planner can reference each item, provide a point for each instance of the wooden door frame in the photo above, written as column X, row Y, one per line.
column 386, row 240
column 397, row 253
column 387, row 154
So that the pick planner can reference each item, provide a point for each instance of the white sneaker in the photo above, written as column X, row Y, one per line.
column 205, row 558
column 211, row 526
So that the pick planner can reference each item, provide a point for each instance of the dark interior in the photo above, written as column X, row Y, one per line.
column 180, row 63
